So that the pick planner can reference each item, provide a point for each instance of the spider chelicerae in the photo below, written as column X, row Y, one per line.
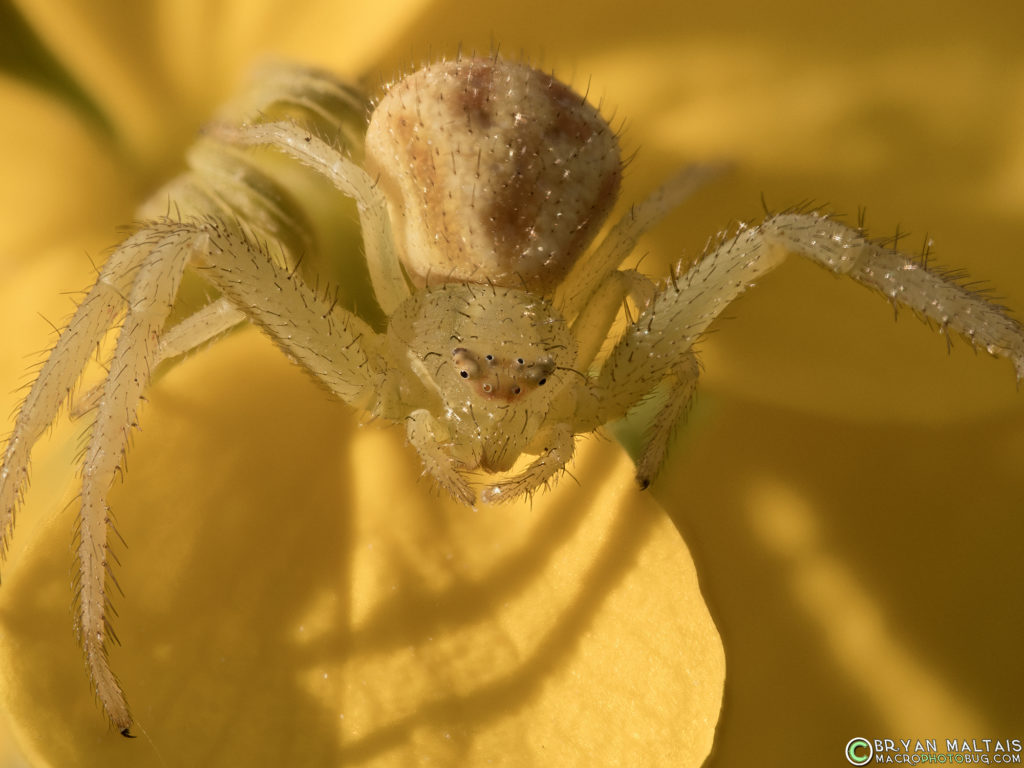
column 481, row 185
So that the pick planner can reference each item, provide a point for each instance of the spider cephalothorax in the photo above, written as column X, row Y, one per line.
column 486, row 364
column 483, row 185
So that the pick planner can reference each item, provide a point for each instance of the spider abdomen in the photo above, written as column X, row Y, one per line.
column 494, row 172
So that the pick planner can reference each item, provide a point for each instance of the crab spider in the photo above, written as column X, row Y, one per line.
column 482, row 187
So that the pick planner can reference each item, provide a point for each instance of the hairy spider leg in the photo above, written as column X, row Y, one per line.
column 163, row 251
column 221, row 185
column 195, row 330
column 592, row 327
column 223, row 182
column 338, row 348
column 386, row 274
column 341, row 106
column 555, row 452
column 595, row 320
column 657, row 343
column 679, row 392
column 555, row 449
column 328, row 341
column 143, row 276
column 427, row 435
column 587, row 274
column 57, row 378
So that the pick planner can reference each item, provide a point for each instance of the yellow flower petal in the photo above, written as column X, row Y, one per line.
column 52, row 155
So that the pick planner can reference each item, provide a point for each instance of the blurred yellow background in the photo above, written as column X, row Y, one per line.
column 851, row 493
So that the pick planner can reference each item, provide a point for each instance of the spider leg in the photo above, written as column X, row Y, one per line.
column 166, row 249
column 541, row 470
column 334, row 345
column 591, row 329
column 679, row 397
column 338, row 104
column 330, row 342
column 59, row 374
column 389, row 283
column 226, row 181
column 595, row 319
column 664, row 333
column 244, row 191
column 215, row 318
column 589, row 273
column 422, row 430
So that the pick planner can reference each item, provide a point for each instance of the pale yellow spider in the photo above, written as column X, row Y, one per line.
column 481, row 186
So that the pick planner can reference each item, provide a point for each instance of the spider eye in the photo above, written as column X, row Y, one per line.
column 487, row 388
column 489, row 358
column 537, row 372
column 465, row 362
column 517, row 390
column 520, row 361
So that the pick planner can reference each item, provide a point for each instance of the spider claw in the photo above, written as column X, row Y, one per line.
column 461, row 492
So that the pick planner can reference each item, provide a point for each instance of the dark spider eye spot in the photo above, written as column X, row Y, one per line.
column 520, row 361
column 516, row 391
column 464, row 374
column 542, row 382
column 488, row 357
